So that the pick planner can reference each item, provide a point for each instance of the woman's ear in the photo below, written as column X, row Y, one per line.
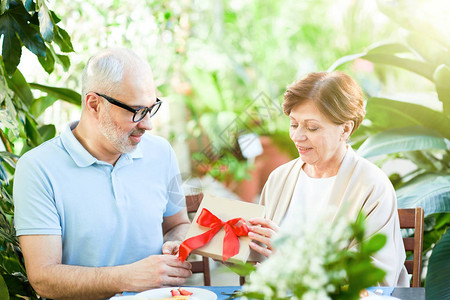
column 347, row 129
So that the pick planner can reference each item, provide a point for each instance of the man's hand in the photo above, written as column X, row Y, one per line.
column 156, row 271
column 52, row 279
column 171, row 247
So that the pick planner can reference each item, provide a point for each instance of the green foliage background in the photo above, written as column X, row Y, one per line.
column 32, row 25
column 414, row 132
column 213, row 59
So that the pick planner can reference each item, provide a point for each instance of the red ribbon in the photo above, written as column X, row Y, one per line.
column 233, row 228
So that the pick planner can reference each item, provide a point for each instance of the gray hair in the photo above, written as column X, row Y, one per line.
column 104, row 71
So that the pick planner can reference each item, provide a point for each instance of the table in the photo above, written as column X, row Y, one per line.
column 409, row 293
column 400, row 292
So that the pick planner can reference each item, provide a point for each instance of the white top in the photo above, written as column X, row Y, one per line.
column 309, row 198
column 360, row 186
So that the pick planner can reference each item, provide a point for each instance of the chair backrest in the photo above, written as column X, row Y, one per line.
column 201, row 266
column 413, row 218
column 193, row 202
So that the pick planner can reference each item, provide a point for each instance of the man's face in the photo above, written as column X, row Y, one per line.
column 115, row 123
column 123, row 140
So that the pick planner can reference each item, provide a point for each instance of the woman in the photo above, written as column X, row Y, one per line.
column 329, row 177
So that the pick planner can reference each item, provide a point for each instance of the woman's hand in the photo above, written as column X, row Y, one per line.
column 262, row 231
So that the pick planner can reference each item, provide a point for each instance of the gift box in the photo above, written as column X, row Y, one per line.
column 214, row 212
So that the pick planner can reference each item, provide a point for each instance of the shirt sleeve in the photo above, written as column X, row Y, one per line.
column 34, row 204
column 176, row 200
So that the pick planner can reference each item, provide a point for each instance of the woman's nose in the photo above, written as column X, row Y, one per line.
column 299, row 135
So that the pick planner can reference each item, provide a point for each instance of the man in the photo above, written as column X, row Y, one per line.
column 97, row 206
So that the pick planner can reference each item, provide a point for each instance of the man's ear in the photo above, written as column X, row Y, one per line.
column 347, row 129
column 92, row 104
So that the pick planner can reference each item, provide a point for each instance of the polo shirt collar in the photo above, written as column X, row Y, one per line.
column 136, row 153
column 79, row 154
column 76, row 151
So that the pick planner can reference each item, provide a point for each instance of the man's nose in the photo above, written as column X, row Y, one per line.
column 145, row 123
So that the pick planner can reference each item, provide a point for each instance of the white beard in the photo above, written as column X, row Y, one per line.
column 120, row 140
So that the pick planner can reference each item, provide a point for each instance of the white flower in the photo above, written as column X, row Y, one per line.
column 302, row 252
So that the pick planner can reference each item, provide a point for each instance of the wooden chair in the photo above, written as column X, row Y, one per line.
column 413, row 218
column 201, row 266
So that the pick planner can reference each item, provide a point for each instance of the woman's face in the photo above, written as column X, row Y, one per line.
column 320, row 142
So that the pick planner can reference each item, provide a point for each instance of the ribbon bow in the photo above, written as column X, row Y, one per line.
column 233, row 228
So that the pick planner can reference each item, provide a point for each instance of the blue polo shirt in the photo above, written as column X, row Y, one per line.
column 106, row 215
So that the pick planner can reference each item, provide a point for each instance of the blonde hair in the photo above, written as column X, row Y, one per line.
column 335, row 94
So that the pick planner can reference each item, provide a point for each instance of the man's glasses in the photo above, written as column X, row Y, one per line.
column 140, row 112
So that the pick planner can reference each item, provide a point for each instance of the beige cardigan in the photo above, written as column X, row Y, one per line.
column 359, row 186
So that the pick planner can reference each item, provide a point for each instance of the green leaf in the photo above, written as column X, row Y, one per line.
column 21, row 88
column 206, row 90
column 5, row 119
column 402, row 139
column 431, row 191
column 441, row 78
column 386, row 114
column 4, row 5
column 41, row 104
column 421, row 68
column 404, row 14
column 388, row 48
column 55, row 18
column 7, row 237
column 47, row 132
column 242, row 269
column 343, row 60
column 424, row 160
column 64, row 61
column 11, row 47
column 428, row 49
column 385, row 54
column 4, row 293
column 431, row 236
column 364, row 274
column 18, row 19
column 442, row 220
column 377, row 48
column 221, row 129
column 29, row 5
column 45, row 22
column 19, row 285
column 61, row 59
column 67, row 95
column 436, row 284
column 9, row 158
column 358, row 228
column 3, row 175
column 32, row 131
column 12, row 264
column 374, row 244
column 62, row 39
column 250, row 295
column 47, row 62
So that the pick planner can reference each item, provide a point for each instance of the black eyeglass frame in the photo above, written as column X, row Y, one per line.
column 135, row 111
